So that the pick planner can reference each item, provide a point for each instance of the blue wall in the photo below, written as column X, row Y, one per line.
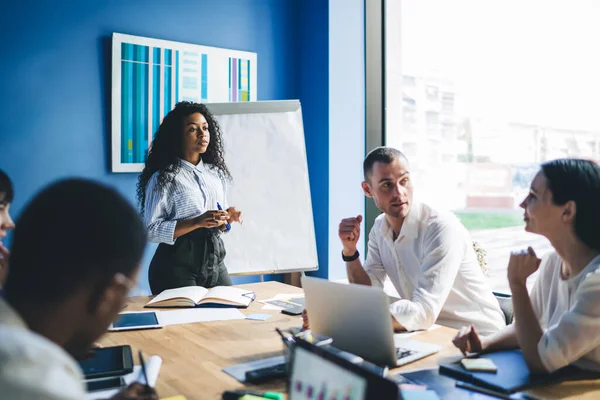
column 55, row 86
column 313, row 79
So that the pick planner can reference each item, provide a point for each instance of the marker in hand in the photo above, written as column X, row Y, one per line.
column 227, row 224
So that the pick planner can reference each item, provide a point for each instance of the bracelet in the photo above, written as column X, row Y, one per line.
column 351, row 258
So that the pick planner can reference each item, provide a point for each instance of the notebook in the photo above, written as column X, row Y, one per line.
column 513, row 374
column 197, row 296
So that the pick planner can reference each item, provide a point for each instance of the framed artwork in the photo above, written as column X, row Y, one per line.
column 149, row 76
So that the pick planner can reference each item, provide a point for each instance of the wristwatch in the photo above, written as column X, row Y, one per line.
column 351, row 258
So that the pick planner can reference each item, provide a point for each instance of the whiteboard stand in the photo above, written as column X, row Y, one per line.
column 265, row 151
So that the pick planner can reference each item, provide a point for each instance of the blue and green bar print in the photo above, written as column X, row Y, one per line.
column 239, row 79
column 150, row 87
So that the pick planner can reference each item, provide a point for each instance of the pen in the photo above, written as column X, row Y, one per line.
column 144, row 369
column 475, row 388
column 287, row 340
column 227, row 224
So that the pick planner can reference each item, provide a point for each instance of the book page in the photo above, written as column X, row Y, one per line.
column 194, row 293
column 234, row 295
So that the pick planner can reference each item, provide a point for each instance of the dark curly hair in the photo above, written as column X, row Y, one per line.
column 165, row 152
column 6, row 189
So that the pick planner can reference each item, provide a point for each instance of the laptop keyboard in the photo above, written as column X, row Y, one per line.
column 403, row 353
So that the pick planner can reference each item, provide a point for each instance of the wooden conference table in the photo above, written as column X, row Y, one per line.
column 194, row 354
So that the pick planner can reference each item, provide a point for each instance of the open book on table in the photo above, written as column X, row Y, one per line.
column 197, row 296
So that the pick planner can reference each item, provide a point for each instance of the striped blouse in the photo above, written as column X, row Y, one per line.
column 195, row 190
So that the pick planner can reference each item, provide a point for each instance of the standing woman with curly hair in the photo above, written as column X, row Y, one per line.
column 6, row 222
column 180, row 191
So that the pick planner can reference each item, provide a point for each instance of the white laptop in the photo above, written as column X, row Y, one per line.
column 358, row 319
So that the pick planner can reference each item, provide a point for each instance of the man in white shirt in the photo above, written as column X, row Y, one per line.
column 75, row 255
column 428, row 255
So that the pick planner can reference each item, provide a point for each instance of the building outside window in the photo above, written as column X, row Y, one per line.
column 485, row 99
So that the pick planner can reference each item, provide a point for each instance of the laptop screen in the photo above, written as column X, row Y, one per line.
column 316, row 378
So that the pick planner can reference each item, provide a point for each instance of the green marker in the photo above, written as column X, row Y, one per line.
column 273, row 395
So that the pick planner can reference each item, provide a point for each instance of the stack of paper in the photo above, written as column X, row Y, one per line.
column 283, row 301
column 192, row 315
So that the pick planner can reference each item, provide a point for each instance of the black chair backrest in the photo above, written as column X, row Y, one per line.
column 505, row 301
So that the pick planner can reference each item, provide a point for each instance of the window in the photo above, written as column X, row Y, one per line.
column 409, row 81
column 432, row 93
column 448, row 132
column 432, row 123
column 489, row 91
column 409, row 119
column 448, row 102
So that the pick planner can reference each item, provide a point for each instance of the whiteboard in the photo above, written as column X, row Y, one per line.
column 266, row 155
